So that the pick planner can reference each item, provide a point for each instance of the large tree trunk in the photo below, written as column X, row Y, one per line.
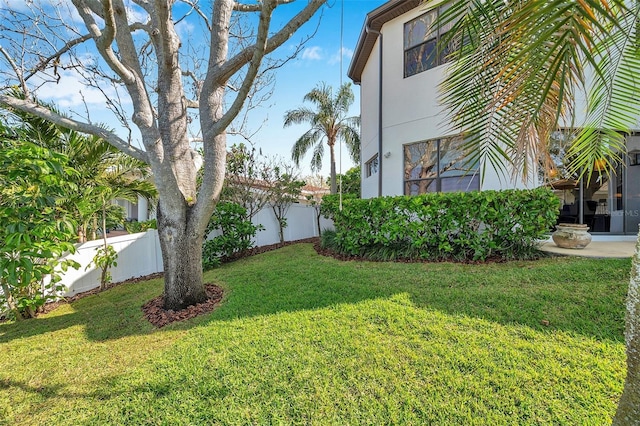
column 628, row 412
column 182, row 257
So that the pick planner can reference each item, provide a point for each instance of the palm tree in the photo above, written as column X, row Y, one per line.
column 518, row 72
column 329, row 122
column 103, row 173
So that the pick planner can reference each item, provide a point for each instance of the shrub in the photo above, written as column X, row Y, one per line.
column 328, row 239
column 236, row 234
column 445, row 226
column 331, row 203
column 34, row 229
column 135, row 227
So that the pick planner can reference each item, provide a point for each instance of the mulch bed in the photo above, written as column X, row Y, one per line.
column 159, row 317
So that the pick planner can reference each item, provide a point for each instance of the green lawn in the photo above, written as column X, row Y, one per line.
column 304, row 339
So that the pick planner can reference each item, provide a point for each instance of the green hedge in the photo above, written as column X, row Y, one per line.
column 444, row 226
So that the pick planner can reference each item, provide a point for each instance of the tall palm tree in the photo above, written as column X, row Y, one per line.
column 518, row 73
column 329, row 122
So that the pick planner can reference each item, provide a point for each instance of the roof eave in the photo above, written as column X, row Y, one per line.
column 369, row 34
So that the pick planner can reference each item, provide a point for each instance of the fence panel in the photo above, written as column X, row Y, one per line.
column 140, row 255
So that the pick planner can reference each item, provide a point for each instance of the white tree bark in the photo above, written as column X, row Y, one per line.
column 161, row 104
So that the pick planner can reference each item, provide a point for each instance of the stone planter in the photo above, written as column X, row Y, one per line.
column 571, row 235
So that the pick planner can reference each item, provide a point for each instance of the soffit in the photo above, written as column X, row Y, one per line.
column 374, row 22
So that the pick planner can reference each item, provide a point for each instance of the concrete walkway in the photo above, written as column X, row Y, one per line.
column 600, row 246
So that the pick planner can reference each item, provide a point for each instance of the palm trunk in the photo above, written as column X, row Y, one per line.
column 628, row 412
column 95, row 228
column 334, row 186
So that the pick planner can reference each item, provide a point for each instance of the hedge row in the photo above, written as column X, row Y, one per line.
column 444, row 226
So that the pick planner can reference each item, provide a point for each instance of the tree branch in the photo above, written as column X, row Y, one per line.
column 242, row 7
column 69, row 123
column 104, row 39
column 234, row 64
column 16, row 69
column 194, row 7
column 258, row 50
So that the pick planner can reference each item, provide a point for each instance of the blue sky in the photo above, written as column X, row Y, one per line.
column 318, row 62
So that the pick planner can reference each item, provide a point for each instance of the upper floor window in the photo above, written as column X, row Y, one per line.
column 371, row 166
column 438, row 165
column 421, row 41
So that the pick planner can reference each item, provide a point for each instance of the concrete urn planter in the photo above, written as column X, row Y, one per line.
column 571, row 235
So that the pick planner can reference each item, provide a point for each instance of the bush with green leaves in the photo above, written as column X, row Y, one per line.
column 105, row 258
column 236, row 234
column 445, row 226
column 143, row 226
column 35, row 231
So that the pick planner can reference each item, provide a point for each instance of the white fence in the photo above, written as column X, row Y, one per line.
column 139, row 254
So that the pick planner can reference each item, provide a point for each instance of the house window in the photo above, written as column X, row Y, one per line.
column 371, row 166
column 421, row 41
column 438, row 165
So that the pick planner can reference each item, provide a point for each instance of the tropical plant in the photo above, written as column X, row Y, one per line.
column 105, row 258
column 135, row 227
column 350, row 181
column 36, row 230
column 235, row 234
column 520, row 68
column 103, row 174
column 247, row 170
column 329, row 123
column 285, row 189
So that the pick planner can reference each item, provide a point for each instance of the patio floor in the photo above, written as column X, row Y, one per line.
column 600, row 246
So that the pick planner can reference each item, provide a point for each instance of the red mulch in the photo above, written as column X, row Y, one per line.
column 158, row 316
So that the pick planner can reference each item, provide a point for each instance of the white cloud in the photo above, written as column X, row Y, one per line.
column 135, row 13
column 72, row 93
column 313, row 53
column 185, row 30
column 344, row 52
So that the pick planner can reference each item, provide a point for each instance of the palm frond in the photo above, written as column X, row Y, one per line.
column 304, row 143
column 518, row 71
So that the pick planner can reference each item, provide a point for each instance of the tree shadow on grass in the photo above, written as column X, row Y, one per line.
column 574, row 295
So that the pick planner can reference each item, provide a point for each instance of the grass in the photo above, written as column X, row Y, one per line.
column 303, row 339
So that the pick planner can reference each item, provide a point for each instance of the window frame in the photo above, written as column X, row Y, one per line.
column 441, row 55
column 470, row 175
column 372, row 166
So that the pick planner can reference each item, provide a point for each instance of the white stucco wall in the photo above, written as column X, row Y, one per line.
column 411, row 113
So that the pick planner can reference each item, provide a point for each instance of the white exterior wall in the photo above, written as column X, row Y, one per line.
column 410, row 113
column 301, row 224
column 369, row 124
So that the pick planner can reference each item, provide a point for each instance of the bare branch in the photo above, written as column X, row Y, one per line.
column 56, row 56
column 16, row 69
column 242, row 7
column 104, row 39
column 47, row 114
column 195, row 8
column 261, row 47
column 234, row 64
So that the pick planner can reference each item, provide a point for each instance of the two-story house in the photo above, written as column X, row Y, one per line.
column 407, row 147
